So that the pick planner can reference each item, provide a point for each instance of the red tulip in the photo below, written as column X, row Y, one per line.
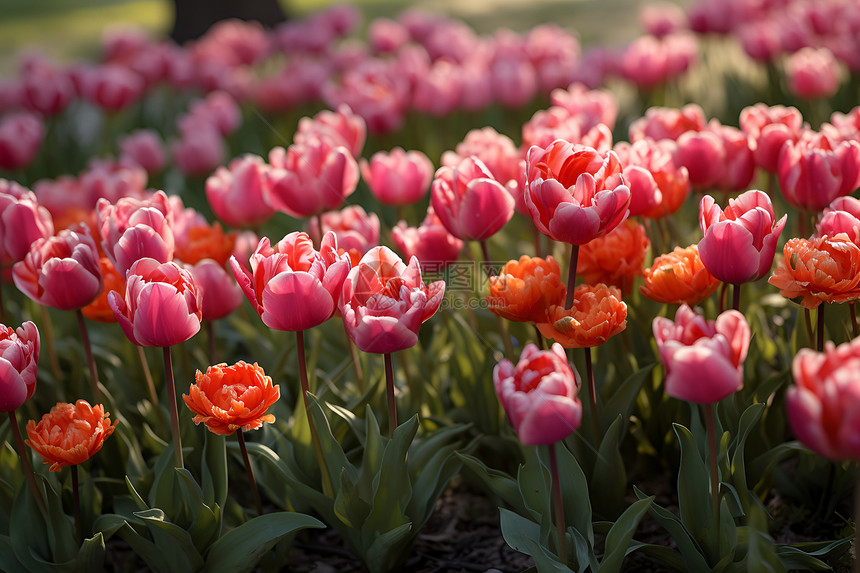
column 19, row 361
column 383, row 302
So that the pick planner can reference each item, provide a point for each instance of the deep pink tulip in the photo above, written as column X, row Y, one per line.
column 47, row 89
column 539, row 395
column 386, row 36
column 574, row 193
column 812, row 73
column 513, row 80
column 430, row 242
column 383, row 302
column 397, row 177
column 702, row 153
column 703, row 359
column 19, row 361
column 668, row 123
column 355, row 229
column 292, row 286
column 133, row 229
column 61, row 271
column 768, row 128
column 762, row 39
column 813, row 172
column 342, row 126
column 238, row 193
column 161, row 306
column 739, row 243
column 645, row 62
column 739, row 166
column 841, row 216
column 219, row 291
column 23, row 222
column 823, row 406
column 645, row 194
column 21, row 135
column 145, row 148
column 112, row 87
column 469, row 201
column 311, row 177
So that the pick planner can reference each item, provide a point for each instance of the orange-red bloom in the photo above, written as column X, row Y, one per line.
column 205, row 242
column 525, row 289
column 228, row 398
column 99, row 310
column 597, row 314
column 679, row 277
column 70, row 433
column 821, row 269
column 616, row 258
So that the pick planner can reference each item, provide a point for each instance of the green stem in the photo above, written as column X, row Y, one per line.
column 712, row 461
column 736, row 297
column 76, row 499
column 819, row 328
column 389, row 391
column 328, row 488
column 808, row 320
column 592, row 396
column 540, row 341
column 855, row 330
column 88, row 351
column 254, row 491
column 25, row 463
column 210, row 331
column 48, row 331
column 559, row 502
column 571, row 275
column 356, row 363
column 174, row 414
column 503, row 325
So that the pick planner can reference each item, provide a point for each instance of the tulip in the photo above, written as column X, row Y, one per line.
column 292, row 286
column 554, row 53
column 384, row 301
column 19, row 361
column 668, row 123
column 430, row 242
column 597, row 313
column 220, row 293
column 437, row 91
column 812, row 73
column 61, row 271
column 196, row 240
column 616, row 258
column 539, row 395
column 768, row 128
column 703, row 359
column 822, row 404
column 238, row 194
column 47, row 89
column 21, row 135
column 99, row 310
column 218, row 110
column 679, row 277
column 496, row 151
column 145, row 148
column 397, row 177
column 841, row 216
column 666, row 185
column 469, row 202
column 69, row 434
column 111, row 180
column 133, row 229
column 112, row 87
column 199, row 150
column 354, row 229
column 23, row 222
column 814, row 171
column 341, row 126
column 525, row 289
column 558, row 122
column 739, row 243
column 161, row 306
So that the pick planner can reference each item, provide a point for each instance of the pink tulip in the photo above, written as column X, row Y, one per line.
column 111, row 180
column 383, row 302
column 430, row 242
column 813, row 73
column 668, row 123
column 496, row 151
column 386, row 36
column 47, row 89
column 841, row 216
column 470, row 203
column 311, row 177
column 21, row 135
column 19, row 361
column 645, row 62
column 292, row 286
column 823, row 406
column 355, row 229
column 219, row 291
column 64, row 199
column 199, row 151
column 762, row 39
column 218, row 109
column 660, row 19
column 112, row 87
column 342, row 126
column 376, row 91
column 134, row 229
column 161, row 306
column 553, row 52
column 437, row 91
column 574, row 193
column 238, row 193
column 739, row 243
column 716, row 157
column 145, row 148
column 397, row 177
column 703, row 359
column 23, row 222
column 539, row 395
column 671, row 182
column 591, row 106
column 813, row 172
column 768, row 128
column 61, row 271
column 513, row 80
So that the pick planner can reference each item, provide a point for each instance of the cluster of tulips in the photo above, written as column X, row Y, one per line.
column 738, row 376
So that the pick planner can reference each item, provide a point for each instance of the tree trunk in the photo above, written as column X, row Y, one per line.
column 192, row 18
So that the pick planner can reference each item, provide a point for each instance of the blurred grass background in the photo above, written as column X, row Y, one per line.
column 69, row 30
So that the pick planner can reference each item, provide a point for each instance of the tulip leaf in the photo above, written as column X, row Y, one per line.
column 91, row 555
column 805, row 555
column 333, row 453
column 240, row 549
column 577, row 505
column 156, row 557
column 609, row 476
column 619, row 536
column 164, row 492
column 8, row 560
column 749, row 419
column 172, row 540
column 761, row 550
column 498, row 482
column 533, row 480
column 431, row 481
column 661, row 553
column 214, row 469
column 205, row 526
column 693, row 499
column 621, row 400
column 380, row 556
column 523, row 535
column 30, row 537
column 687, row 544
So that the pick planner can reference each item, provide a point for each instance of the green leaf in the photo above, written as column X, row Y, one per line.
column 8, row 561
column 687, row 545
column 158, row 559
column 795, row 557
column 240, row 549
column 379, row 557
column 693, row 498
column 205, row 526
column 214, row 469
column 609, row 475
column 749, row 418
column 432, row 479
column 574, row 487
column 172, row 540
column 618, row 538
column 661, row 553
column 28, row 537
column 623, row 398
column 761, row 550
column 523, row 535
column 498, row 482
column 91, row 556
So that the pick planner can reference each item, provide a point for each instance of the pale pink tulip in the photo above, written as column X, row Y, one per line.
column 19, row 362
column 397, row 177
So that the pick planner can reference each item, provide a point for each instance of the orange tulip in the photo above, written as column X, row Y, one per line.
column 228, row 398
column 205, row 242
column 597, row 314
column 70, row 433
column 679, row 277
column 99, row 310
column 821, row 269
column 616, row 258
column 525, row 289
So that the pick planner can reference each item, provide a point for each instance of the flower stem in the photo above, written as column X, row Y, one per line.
column 852, row 308
column 254, row 491
column 356, row 363
column 540, row 341
column 712, row 461
column 819, row 328
column 25, row 463
column 320, row 229
column 48, row 330
column 571, row 276
column 210, row 331
column 592, row 396
column 536, row 238
column 736, row 297
column 328, row 488
column 174, row 414
column 76, row 499
column 88, row 351
column 147, row 375
column 559, row 502
column 808, row 321
column 503, row 324
column 389, row 391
